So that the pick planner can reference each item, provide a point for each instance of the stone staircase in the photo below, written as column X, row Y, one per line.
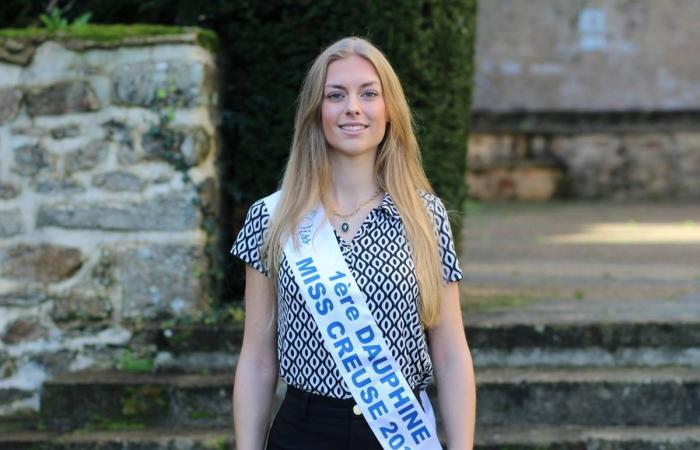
column 593, row 386
column 566, row 386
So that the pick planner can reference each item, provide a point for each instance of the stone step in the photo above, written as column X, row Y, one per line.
column 179, row 438
column 589, row 396
column 640, row 344
column 191, row 348
column 487, row 438
column 492, row 342
column 107, row 399
column 581, row 438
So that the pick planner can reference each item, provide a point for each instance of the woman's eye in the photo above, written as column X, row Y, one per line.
column 371, row 93
column 334, row 96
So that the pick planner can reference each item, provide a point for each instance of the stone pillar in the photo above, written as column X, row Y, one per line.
column 107, row 187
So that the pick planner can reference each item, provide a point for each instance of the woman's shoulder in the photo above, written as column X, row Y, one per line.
column 262, row 205
column 434, row 203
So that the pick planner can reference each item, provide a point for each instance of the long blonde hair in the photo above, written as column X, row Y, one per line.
column 398, row 171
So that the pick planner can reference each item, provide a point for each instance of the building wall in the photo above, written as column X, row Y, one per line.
column 107, row 176
column 597, row 99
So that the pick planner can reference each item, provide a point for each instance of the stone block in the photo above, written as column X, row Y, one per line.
column 10, row 223
column 687, row 156
column 23, row 330
column 86, row 157
column 67, row 131
column 167, row 212
column 17, row 51
column 650, row 165
column 526, row 182
column 24, row 298
column 61, row 98
column 10, row 100
column 119, row 181
column 160, row 280
column 8, row 191
column 43, row 263
column 595, row 164
column 492, row 150
column 8, row 365
column 161, row 83
column 117, row 131
column 81, row 305
column 186, row 147
column 33, row 131
column 162, row 144
column 59, row 186
column 195, row 146
column 31, row 159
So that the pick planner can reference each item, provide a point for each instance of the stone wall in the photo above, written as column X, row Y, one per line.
column 107, row 181
column 584, row 165
column 587, row 55
column 586, row 99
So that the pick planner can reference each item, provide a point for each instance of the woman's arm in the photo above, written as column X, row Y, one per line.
column 454, row 372
column 257, row 369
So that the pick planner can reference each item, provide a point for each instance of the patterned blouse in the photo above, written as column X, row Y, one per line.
column 379, row 259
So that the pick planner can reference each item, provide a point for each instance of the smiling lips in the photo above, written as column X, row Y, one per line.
column 353, row 126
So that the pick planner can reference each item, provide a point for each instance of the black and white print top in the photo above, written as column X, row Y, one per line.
column 379, row 259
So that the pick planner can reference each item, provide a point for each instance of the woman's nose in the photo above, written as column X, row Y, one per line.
column 353, row 105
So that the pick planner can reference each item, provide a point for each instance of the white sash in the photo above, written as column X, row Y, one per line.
column 353, row 338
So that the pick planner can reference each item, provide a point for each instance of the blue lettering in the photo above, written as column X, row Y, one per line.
column 399, row 396
column 365, row 334
column 390, row 379
column 335, row 325
column 372, row 351
column 377, row 409
column 352, row 313
column 344, row 345
column 380, row 370
column 340, row 289
column 306, row 268
column 420, row 434
column 411, row 419
column 338, row 275
column 347, row 299
column 360, row 382
column 317, row 290
column 351, row 362
column 324, row 306
column 386, row 431
column 370, row 394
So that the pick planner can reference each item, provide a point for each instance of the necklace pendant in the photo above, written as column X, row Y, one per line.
column 345, row 227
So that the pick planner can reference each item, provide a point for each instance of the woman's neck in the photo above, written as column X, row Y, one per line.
column 352, row 181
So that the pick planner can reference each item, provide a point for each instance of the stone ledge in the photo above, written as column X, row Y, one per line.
column 17, row 46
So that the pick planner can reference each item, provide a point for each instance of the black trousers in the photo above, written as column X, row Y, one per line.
column 313, row 422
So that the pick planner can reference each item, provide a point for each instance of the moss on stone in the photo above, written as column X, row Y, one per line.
column 144, row 403
column 112, row 33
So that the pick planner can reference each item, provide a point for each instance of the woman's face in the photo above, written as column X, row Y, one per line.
column 353, row 112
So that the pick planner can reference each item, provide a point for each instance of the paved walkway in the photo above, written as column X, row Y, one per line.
column 561, row 262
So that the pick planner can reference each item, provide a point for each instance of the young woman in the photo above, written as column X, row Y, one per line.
column 354, row 159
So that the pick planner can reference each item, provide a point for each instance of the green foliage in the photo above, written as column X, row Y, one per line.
column 131, row 362
column 429, row 43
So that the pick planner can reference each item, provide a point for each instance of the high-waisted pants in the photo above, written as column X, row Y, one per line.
column 313, row 422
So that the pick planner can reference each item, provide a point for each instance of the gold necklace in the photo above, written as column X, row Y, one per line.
column 345, row 226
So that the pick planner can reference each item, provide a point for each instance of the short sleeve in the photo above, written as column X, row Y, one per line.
column 250, row 239
column 450, row 262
